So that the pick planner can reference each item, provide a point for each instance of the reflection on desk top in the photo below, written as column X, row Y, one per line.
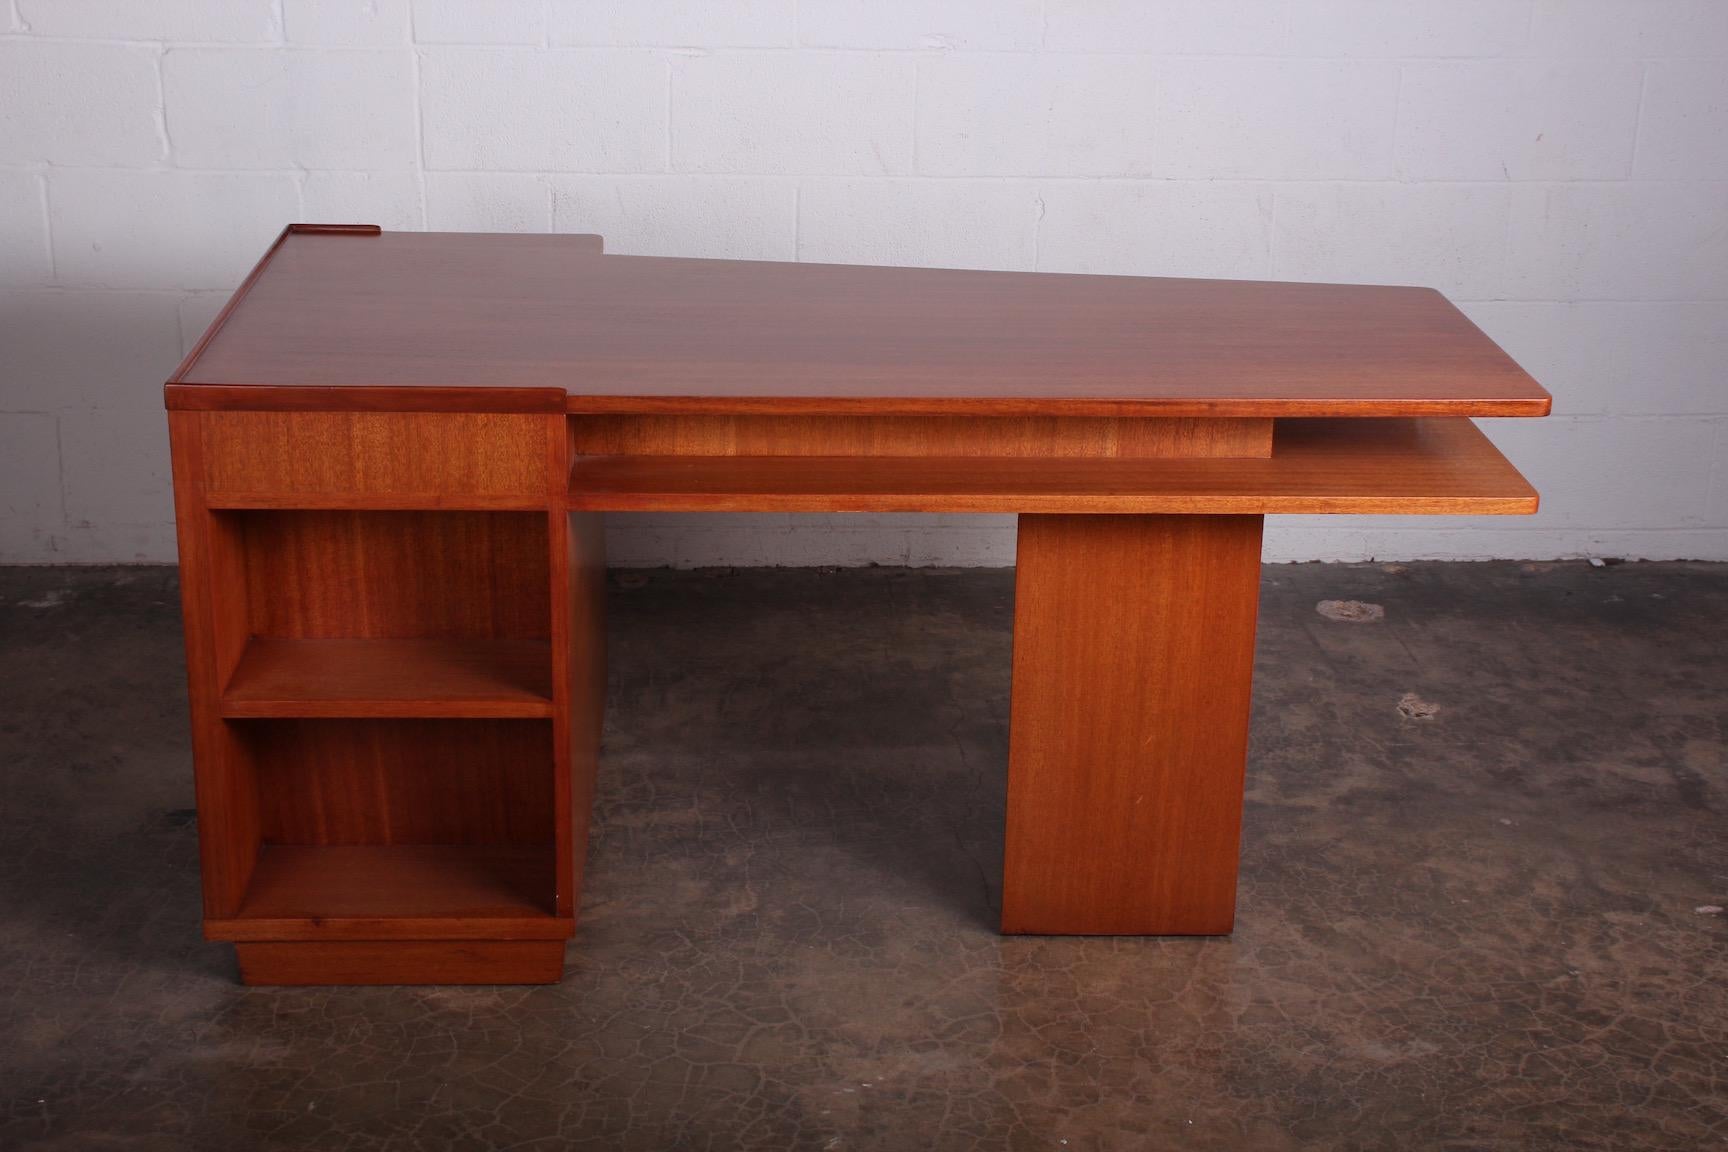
column 522, row 322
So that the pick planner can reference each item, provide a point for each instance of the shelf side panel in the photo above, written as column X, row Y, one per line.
column 583, row 683
column 214, row 615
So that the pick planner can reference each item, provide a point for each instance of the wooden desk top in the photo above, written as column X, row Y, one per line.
column 543, row 323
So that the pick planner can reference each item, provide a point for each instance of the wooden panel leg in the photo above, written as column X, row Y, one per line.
column 1133, row 663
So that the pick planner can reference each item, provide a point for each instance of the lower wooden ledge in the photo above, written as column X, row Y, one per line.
column 401, row 962
column 1438, row 465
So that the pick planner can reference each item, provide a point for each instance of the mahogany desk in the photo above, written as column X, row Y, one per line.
column 392, row 452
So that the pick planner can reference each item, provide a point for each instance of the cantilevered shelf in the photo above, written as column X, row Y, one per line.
column 397, row 892
column 479, row 679
column 1438, row 464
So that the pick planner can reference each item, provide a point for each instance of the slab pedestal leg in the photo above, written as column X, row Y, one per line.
column 1133, row 663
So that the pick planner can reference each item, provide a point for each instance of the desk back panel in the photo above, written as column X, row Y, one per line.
column 335, row 782
column 396, row 575
column 1018, row 437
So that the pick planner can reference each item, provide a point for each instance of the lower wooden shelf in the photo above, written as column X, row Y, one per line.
column 494, row 679
column 398, row 892
column 1440, row 465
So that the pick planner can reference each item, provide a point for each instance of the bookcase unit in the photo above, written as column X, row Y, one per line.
column 395, row 658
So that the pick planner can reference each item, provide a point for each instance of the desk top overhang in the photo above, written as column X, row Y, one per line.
column 348, row 317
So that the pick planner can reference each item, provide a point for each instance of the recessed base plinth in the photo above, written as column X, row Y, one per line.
column 401, row 962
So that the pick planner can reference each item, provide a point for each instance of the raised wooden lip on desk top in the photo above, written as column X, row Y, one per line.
column 353, row 318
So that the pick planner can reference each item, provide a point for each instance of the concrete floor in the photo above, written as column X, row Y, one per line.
column 1487, row 929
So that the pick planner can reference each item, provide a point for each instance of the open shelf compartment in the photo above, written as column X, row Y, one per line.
column 397, row 892
column 397, row 830
column 387, row 614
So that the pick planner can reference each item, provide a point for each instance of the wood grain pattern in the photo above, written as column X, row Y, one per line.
column 401, row 962
column 497, row 679
column 214, row 621
column 652, row 334
column 401, row 892
column 396, row 575
column 917, row 436
column 1133, row 657
column 566, row 893
column 373, row 460
column 402, row 781
column 1429, row 466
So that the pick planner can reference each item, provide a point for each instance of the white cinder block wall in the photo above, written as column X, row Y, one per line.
column 1560, row 167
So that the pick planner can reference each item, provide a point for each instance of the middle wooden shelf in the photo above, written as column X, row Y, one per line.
column 430, row 678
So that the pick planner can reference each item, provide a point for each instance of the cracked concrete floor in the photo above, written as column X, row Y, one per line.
column 1475, row 930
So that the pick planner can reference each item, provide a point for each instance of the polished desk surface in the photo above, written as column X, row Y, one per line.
column 528, row 322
